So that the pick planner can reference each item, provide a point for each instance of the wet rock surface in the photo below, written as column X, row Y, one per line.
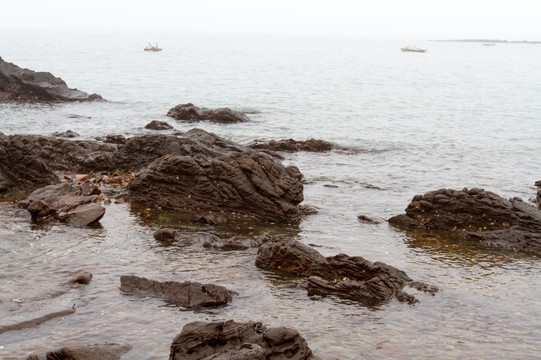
column 477, row 215
column 27, row 85
column 158, row 125
column 208, row 174
column 208, row 239
column 66, row 202
column 290, row 145
column 89, row 352
column 538, row 197
column 191, row 112
column 232, row 340
column 351, row 277
column 186, row 294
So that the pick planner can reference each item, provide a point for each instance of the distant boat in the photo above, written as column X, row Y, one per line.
column 151, row 47
column 410, row 48
column 489, row 44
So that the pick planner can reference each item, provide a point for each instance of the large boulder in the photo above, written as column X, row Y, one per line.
column 351, row 277
column 207, row 174
column 186, row 294
column 88, row 352
column 475, row 214
column 230, row 340
column 28, row 85
column 66, row 202
column 193, row 113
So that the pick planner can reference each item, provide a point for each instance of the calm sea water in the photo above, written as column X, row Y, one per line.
column 460, row 115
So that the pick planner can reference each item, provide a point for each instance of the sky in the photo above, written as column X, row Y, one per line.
column 420, row 19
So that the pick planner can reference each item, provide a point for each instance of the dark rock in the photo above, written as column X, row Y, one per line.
column 207, row 239
column 158, row 125
column 165, row 234
column 229, row 340
column 290, row 145
column 538, row 197
column 366, row 219
column 82, row 278
column 27, row 85
column 89, row 352
column 352, row 277
column 112, row 139
column 193, row 113
column 475, row 214
column 209, row 174
column 186, row 294
column 66, row 201
column 66, row 134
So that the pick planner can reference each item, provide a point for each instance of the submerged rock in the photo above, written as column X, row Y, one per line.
column 66, row 134
column 208, row 239
column 158, row 125
column 290, row 145
column 207, row 174
column 193, row 113
column 28, row 85
column 102, row 352
column 230, row 340
column 477, row 215
column 186, row 294
column 66, row 202
column 351, row 277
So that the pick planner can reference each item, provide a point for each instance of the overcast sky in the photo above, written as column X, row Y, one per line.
column 420, row 19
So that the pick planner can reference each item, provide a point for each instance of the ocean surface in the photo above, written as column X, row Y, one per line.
column 460, row 115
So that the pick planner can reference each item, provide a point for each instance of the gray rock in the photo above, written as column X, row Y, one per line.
column 186, row 294
column 193, row 113
column 230, row 340
column 89, row 352
column 158, row 125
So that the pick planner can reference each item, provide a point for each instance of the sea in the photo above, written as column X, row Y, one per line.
column 459, row 115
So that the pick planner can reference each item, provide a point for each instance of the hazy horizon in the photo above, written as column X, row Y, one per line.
column 419, row 19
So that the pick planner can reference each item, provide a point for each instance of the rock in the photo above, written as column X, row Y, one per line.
column 367, row 220
column 66, row 201
column 66, row 134
column 186, row 294
column 89, row 352
column 82, row 278
column 477, row 215
column 112, row 139
column 27, row 85
column 33, row 322
column 538, row 197
column 208, row 239
column 208, row 174
column 193, row 113
column 158, row 125
column 230, row 340
column 290, row 145
column 351, row 277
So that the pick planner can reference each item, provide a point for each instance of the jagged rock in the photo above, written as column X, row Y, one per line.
column 475, row 214
column 66, row 134
column 158, row 125
column 193, row 113
column 27, row 85
column 66, row 201
column 186, row 294
column 367, row 220
column 89, row 352
column 290, row 145
column 208, row 174
column 112, row 139
column 538, row 197
column 346, row 276
column 230, row 340
column 82, row 278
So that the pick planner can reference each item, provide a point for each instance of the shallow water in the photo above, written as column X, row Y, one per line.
column 460, row 115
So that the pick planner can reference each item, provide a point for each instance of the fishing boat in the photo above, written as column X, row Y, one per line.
column 151, row 47
column 410, row 48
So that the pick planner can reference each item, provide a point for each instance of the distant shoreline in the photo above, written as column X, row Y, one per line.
column 495, row 41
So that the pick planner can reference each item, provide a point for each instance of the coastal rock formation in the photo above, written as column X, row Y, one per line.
column 538, row 197
column 290, row 145
column 207, row 174
column 193, row 113
column 27, row 85
column 478, row 215
column 102, row 352
column 186, row 294
column 351, row 277
column 158, row 125
column 66, row 134
column 66, row 202
column 208, row 239
column 230, row 340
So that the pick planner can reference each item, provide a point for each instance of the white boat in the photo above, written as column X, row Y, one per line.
column 410, row 48
column 151, row 47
